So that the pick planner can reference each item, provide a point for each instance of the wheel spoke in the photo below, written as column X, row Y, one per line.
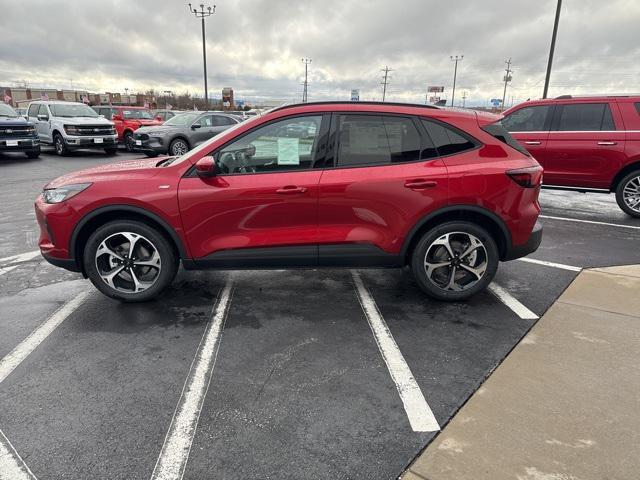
column 474, row 245
column 110, row 275
column 104, row 249
column 432, row 266
column 139, row 286
column 478, row 271
column 444, row 241
column 153, row 261
column 452, row 285
column 133, row 239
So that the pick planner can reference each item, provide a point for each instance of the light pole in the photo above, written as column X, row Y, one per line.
column 166, row 98
column 126, row 91
column 202, row 14
column 305, row 92
column 553, row 47
column 455, row 74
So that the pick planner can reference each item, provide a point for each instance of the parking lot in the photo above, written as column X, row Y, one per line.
column 313, row 373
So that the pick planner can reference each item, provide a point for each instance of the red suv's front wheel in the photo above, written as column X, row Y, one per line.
column 628, row 194
column 455, row 260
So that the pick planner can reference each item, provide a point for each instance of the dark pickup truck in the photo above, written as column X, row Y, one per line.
column 17, row 134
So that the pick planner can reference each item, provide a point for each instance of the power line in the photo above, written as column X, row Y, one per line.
column 385, row 81
column 305, row 91
column 507, row 79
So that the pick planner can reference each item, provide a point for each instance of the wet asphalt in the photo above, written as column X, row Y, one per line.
column 299, row 388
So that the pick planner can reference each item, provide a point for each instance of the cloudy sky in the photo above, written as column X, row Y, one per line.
column 256, row 46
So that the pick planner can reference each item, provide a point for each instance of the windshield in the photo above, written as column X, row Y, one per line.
column 72, row 110
column 182, row 120
column 7, row 111
column 137, row 114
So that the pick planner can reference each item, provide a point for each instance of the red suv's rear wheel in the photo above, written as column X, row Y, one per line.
column 628, row 194
column 455, row 260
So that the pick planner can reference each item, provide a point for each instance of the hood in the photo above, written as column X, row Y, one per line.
column 129, row 170
column 15, row 121
column 144, row 121
column 156, row 128
column 85, row 120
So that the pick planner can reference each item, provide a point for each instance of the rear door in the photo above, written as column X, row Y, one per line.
column 530, row 125
column 586, row 145
column 382, row 176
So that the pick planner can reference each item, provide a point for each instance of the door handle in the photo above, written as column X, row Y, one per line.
column 291, row 189
column 533, row 142
column 607, row 143
column 420, row 184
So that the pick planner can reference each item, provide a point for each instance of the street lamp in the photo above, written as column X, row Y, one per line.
column 166, row 99
column 202, row 14
column 455, row 74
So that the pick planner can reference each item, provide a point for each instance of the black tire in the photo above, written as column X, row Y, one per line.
column 59, row 145
column 151, row 154
column 111, row 150
column 485, row 259
column 168, row 260
column 129, row 142
column 179, row 146
column 629, row 181
column 34, row 154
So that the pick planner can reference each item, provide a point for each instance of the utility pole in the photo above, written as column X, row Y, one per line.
column 551, row 50
column 305, row 91
column 455, row 74
column 202, row 14
column 464, row 98
column 126, row 92
column 507, row 79
column 385, row 81
column 166, row 97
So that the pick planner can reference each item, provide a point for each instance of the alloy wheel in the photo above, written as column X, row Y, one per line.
column 456, row 261
column 59, row 146
column 128, row 262
column 631, row 194
column 179, row 148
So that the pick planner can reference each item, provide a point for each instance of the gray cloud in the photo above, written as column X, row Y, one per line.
column 256, row 46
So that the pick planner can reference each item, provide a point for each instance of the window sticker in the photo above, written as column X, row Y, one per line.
column 288, row 151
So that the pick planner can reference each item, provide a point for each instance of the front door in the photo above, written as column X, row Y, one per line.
column 261, row 208
column 385, row 174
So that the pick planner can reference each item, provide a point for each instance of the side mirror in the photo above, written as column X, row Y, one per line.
column 159, row 118
column 206, row 167
column 195, row 126
column 43, row 118
column 116, row 117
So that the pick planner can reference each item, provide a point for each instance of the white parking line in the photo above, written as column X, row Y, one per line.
column 23, row 257
column 561, row 266
column 420, row 415
column 4, row 270
column 512, row 302
column 29, row 344
column 12, row 467
column 633, row 227
column 177, row 444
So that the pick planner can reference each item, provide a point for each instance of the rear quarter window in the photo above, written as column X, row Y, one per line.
column 497, row 130
column 448, row 140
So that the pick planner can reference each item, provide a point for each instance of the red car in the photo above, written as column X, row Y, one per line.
column 584, row 143
column 447, row 192
column 127, row 120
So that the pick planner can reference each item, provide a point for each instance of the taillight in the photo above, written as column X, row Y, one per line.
column 528, row 177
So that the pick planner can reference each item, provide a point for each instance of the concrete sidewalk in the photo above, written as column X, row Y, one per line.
column 565, row 404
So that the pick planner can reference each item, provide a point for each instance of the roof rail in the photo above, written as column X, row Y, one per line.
column 603, row 95
column 346, row 102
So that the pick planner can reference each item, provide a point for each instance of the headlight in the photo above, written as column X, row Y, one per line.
column 71, row 129
column 60, row 194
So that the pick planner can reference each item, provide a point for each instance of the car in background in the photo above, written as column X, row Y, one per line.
column 127, row 120
column 72, row 125
column 17, row 134
column 165, row 115
column 584, row 143
column 446, row 192
column 181, row 133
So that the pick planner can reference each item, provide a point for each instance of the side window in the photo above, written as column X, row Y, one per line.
column 377, row 140
column 43, row 110
column 206, row 121
column 638, row 107
column 447, row 140
column 527, row 119
column 286, row 145
column 585, row 117
column 220, row 121
column 33, row 110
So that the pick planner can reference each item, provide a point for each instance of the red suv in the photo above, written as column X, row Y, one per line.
column 127, row 120
column 584, row 143
column 446, row 192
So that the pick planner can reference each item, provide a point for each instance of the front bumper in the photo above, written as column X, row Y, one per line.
column 530, row 246
column 98, row 142
column 19, row 144
column 144, row 142
column 54, row 242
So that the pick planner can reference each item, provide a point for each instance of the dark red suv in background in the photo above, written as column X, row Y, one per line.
column 447, row 192
column 127, row 120
column 584, row 143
